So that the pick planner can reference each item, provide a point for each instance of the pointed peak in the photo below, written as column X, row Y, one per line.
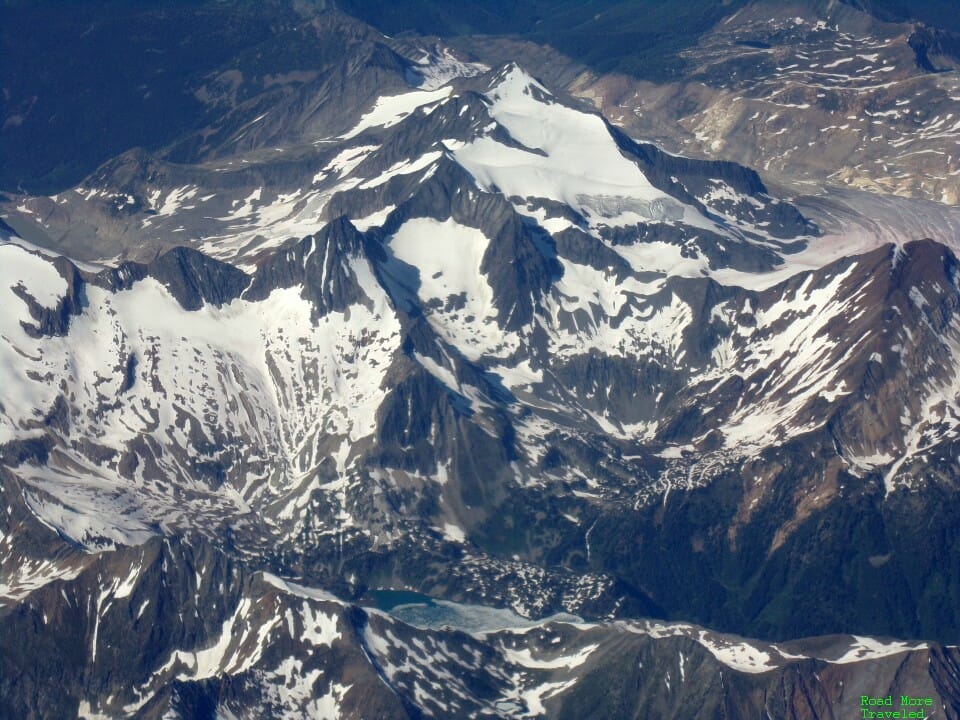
column 322, row 264
column 342, row 232
column 512, row 80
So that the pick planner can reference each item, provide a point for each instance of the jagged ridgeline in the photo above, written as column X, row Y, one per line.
column 404, row 385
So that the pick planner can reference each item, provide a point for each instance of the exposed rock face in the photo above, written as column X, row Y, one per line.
column 193, row 279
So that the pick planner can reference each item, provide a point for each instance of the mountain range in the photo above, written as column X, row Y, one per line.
column 353, row 375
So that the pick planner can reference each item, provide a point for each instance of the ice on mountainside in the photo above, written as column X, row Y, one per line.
column 404, row 325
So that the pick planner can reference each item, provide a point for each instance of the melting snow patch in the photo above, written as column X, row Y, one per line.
column 437, row 69
column 475, row 619
column 866, row 648
column 300, row 590
column 319, row 628
column 525, row 659
column 404, row 167
column 738, row 655
column 346, row 160
column 373, row 220
column 454, row 532
column 390, row 110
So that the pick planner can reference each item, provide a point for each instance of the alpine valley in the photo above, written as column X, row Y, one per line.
column 351, row 375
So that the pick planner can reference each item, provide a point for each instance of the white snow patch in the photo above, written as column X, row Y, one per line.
column 454, row 533
column 373, row 220
column 867, row 648
column 736, row 654
column 403, row 167
column 390, row 110
column 525, row 658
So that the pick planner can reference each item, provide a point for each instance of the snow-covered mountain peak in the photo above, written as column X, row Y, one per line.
column 559, row 154
column 512, row 80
